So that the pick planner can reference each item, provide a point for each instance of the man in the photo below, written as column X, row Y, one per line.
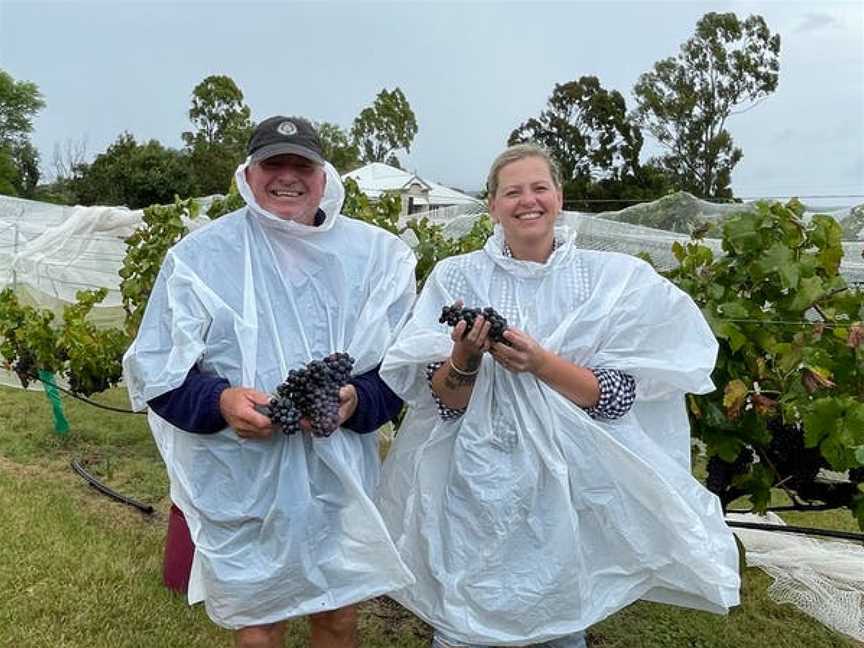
column 283, row 526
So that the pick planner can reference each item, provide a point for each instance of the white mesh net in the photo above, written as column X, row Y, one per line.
column 49, row 252
column 653, row 227
column 822, row 578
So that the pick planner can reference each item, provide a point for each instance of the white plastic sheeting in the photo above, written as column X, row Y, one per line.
column 525, row 520
column 286, row 526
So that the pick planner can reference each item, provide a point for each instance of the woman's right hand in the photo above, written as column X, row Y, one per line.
column 469, row 347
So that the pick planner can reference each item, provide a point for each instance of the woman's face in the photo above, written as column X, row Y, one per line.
column 526, row 202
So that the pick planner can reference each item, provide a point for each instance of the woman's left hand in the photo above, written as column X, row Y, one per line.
column 523, row 355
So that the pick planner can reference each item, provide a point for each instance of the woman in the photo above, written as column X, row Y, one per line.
column 539, row 485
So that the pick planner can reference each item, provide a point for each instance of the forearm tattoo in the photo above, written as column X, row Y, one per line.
column 455, row 379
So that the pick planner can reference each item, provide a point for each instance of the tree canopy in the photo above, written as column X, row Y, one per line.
column 132, row 174
column 19, row 103
column 586, row 129
column 385, row 127
column 19, row 167
column 8, row 173
column 338, row 148
column 222, row 127
column 728, row 66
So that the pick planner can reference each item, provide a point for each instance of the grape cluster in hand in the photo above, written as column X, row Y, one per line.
column 312, row 393
column 452, row 315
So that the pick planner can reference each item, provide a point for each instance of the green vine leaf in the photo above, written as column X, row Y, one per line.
column 810, row 291
column 780, row 259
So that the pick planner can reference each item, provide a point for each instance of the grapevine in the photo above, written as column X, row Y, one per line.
column 789, row 372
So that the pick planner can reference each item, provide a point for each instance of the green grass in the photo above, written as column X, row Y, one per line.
column 79, row 570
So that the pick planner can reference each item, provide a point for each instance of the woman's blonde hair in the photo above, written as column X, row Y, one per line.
column 520, row 152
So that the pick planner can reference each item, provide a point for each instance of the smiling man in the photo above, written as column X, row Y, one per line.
column 286, row 169
column 283, row 526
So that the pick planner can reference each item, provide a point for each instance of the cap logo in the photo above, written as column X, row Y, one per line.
column 286, row 128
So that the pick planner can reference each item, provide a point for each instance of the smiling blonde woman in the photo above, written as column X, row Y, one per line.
column 540, row 484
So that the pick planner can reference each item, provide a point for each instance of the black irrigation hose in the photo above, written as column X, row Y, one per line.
column 843, row 535
column 146, row 508
column 105, row 490
column 84, row 398
column 790, row 507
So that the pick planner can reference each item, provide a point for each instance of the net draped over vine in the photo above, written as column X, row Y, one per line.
column 49, row 252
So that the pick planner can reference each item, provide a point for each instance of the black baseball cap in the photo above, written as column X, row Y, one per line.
column 279, row 135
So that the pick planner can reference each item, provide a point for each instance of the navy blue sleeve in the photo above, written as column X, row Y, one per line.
column 194, row 405
column 376, row 403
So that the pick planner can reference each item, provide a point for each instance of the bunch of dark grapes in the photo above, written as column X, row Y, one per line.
column 25, row 366
column 283, row 413
column 312, row 393
column 794, row 462
column 87, row 383
column 452, row 315
column 721, row 473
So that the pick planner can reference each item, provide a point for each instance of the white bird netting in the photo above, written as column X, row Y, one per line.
column 822, row 578
column 49, row 252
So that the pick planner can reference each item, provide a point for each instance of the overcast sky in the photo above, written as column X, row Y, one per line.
column 471, row 71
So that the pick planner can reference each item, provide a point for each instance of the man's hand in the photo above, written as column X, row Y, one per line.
column 237, row 406
column 347, row 402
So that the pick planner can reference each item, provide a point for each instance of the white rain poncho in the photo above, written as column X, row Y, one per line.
column 526, row 520
column 286, row 526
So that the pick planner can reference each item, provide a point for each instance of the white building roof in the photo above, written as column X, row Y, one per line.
column 377, row 177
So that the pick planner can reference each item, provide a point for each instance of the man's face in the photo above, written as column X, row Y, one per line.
column 289, row 186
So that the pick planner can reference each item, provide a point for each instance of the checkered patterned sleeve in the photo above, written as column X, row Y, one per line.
column 446, row 413
column 617, row 394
